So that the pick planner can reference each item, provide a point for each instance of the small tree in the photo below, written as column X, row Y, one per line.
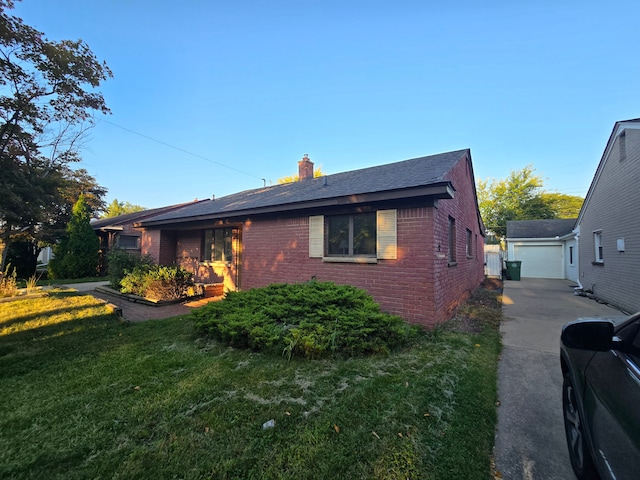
column 116, row 208
column 76, row 255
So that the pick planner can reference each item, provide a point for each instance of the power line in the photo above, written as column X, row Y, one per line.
column 178, row 148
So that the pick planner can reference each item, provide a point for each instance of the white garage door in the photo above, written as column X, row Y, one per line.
column 540, row 261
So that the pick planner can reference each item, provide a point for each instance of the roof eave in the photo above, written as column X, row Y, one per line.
column 538, row 239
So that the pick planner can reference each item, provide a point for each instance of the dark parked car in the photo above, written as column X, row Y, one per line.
column 601, row 396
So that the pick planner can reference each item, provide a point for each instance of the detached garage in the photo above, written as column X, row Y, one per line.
column 541, row 246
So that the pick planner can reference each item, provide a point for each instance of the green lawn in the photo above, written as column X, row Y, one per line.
column 86, row 396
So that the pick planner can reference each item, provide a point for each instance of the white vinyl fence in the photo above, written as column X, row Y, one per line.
column 492, row 261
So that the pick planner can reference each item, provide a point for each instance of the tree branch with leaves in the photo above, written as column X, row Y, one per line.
column 47, row 102
column 520, row 196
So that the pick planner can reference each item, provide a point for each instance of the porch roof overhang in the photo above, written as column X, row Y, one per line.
column 109, row 229
column 436, row 191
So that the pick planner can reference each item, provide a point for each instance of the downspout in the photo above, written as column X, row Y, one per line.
column 577, row 232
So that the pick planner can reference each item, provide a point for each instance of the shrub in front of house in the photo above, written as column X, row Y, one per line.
column 157, row 282
column 312, row 320
column 120, row 262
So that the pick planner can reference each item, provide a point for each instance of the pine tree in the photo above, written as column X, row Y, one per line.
column 76, row 256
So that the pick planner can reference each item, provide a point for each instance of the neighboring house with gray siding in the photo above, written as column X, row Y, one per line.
column 546, row 248
column 609, row 224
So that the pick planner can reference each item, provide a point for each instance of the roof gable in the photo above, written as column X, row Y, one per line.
column 618, row 128
column 401, row 177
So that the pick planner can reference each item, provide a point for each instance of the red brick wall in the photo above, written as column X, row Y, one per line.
column 277, row 251
column 454, row 283
column 160, row 244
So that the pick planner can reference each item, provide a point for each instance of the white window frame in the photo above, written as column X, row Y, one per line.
column 571, row 255
column 598, row 247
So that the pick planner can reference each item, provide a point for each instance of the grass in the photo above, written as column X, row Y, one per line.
column 42, row 282
column 86, row 396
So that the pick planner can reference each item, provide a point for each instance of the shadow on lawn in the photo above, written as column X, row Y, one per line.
column 55, row 338
column 5, row 324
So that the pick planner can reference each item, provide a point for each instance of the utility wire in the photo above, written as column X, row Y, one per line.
column 178, row 148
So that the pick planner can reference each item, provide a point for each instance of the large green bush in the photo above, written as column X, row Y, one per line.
column 120, row 262
column 312, row 320
column 157, row 282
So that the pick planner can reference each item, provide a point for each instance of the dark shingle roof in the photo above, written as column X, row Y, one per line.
column 557, row 227
column 407, row 174
column 134, row 217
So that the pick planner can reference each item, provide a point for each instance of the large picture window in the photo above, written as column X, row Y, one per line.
column 217, row 245
column 356, row 237
column 351, row 235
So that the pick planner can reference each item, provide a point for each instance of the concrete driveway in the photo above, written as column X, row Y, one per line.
column 530, row 441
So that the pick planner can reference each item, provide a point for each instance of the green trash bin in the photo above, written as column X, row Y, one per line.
column 513, row 269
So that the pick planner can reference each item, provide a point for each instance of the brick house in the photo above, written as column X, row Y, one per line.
column 409, row 233
column 119, row 231
column 608, row 225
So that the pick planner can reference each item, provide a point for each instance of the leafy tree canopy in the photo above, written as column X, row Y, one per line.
column 47, row 98
column 116, row 208
column 520, row 196
column 565, row 206
column 294, row 178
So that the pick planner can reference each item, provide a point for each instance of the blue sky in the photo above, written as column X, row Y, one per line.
column 211, row 97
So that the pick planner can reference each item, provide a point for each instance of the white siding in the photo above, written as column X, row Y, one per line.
column 571, row 269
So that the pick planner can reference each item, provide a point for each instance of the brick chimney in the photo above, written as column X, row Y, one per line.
column 305, row 168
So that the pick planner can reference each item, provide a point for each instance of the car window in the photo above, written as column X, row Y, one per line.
column 630, row 334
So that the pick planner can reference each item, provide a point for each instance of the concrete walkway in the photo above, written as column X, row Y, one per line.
column 530, row 442
column 137, row 312
column 85, row 287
